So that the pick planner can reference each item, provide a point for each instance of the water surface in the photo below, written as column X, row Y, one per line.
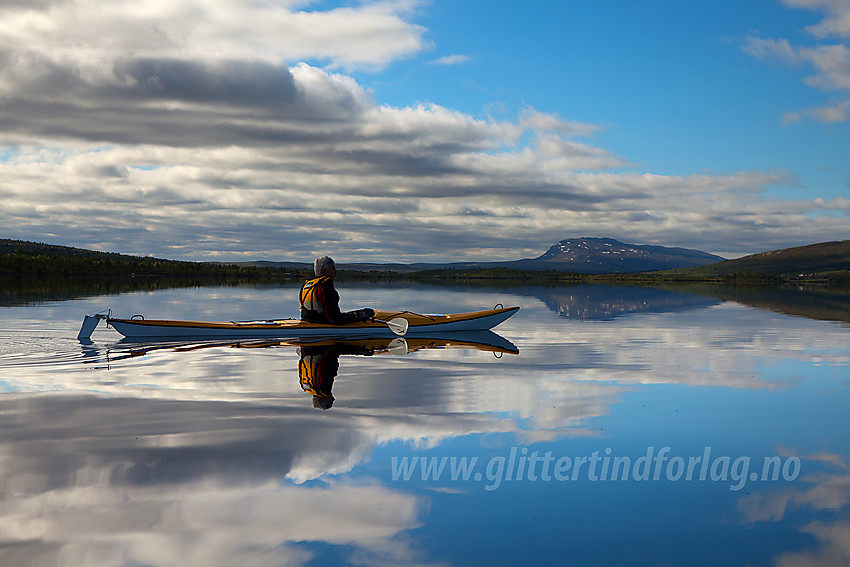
column 634, row 426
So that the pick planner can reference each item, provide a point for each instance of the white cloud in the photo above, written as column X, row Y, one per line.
column 85, row 36
column 414, row 200
column 836, row 112
column 777, row 50
column 831, row 62
column 455, row 59
column 551, row 122
column 837, row 23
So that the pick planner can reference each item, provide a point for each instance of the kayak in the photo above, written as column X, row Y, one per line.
column 385, row 323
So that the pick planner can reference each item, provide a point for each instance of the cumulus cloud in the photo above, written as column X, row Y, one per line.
column 837, row 23
column 830, row 61
column 262, row 202
column 203, row 129
column 87, row 35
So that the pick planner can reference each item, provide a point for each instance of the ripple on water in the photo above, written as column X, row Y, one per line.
column 22, row 349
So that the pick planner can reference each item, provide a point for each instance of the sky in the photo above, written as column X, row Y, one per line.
column 422, row 131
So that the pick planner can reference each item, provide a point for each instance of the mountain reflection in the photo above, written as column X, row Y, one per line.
column 606, row 302
column 598, row 302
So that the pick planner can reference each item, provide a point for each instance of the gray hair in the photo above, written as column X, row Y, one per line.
column 320, row 264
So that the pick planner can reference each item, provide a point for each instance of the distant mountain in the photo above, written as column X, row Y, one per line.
column 823, row 258
column 606, row 256
column 581, row 255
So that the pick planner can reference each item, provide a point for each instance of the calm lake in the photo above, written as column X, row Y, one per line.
column 601, row 426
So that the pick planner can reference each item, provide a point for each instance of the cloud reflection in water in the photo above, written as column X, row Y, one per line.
column 117, row 455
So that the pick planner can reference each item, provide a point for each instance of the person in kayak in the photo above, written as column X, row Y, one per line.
column 319, row 299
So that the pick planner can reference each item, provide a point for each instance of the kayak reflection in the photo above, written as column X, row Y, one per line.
column 319, row 357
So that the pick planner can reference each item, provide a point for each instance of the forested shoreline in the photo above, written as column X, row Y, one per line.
column 22, row 261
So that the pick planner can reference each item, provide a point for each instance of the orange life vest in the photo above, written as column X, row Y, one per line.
column 309, row 298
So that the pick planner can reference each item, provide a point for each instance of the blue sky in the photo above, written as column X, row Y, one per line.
column 423, row 131
column 668, row 82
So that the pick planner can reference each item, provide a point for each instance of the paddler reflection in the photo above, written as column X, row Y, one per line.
column 319, row 361
column 319, row 366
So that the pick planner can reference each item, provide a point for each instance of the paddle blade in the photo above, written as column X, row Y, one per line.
column 398, row 347
column 398, row 325
column 89, row 324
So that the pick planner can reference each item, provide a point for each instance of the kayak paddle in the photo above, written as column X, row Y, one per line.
column 398, row 325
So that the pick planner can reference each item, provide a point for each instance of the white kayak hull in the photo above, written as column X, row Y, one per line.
column 417, row 325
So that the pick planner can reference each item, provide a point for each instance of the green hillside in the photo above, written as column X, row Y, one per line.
column 19, row 258
column 827, row 259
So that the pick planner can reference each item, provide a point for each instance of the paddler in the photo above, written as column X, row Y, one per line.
column 320, row 301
